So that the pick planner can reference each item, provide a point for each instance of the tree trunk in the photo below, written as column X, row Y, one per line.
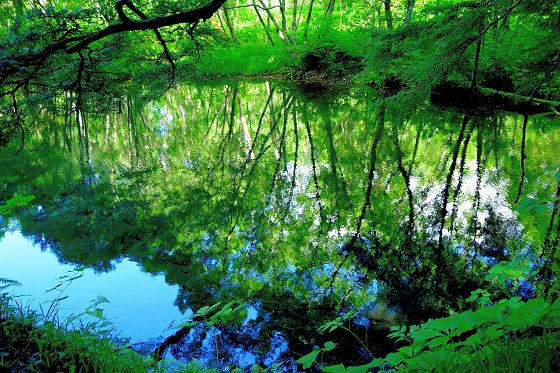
column 282, row 4
column 330, row 8
column 222, row 25
column 276, row 25
column 229, row 23
column 388, row 14
column 474, row 80
column 409, row 8
column 294, row 19
column 265, row 27
column 308, row 19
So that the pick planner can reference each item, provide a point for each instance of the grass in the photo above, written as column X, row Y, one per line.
column 253, row 55
column 35, row 342
column 244, row 60
column 30, row 341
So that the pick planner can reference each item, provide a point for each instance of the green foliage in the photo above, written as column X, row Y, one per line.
column 244, row 60
column 214, row 212
column 481, row 337
column 15, row 202
column 30, row 342
column 231, row 312
column 35, row 342
column 339, row 322
column 307, row 360
column 440, row 45
column 6, row 283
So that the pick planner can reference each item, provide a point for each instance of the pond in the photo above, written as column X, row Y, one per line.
column 310, row 217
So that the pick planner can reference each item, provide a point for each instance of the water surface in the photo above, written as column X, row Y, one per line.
column 297, row 208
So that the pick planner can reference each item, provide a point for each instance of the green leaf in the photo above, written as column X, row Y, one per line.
column 206, row 309
column 365, row 368
column 528, row 204
column 307, row 360
column 98, row 313
column 438, row 342
column 432, row 359
column 330, row 325
column 185, row 324
column 15, row 202
column 99, row 300
column 329, row 346
column 75, row 317
column 105, row 324
column 20, row 200
column 335, row 369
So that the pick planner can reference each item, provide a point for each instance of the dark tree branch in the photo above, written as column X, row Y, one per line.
column 18, row 123
column 190, row 16
column 119, row 8
column 160, row 38
column 74, row 44
column 523, row 158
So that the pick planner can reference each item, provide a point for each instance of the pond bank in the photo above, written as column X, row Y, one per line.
column 445, row 94
column 30, row 342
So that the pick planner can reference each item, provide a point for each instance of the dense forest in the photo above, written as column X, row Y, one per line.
column 338, row 186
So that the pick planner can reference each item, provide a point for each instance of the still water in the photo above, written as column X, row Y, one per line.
column 296, row 208
column 130, row 290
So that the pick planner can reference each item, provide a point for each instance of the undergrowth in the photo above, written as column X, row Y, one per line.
column 32, row 341
column 507, row 336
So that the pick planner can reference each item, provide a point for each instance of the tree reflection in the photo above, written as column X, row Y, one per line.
column 255, row 192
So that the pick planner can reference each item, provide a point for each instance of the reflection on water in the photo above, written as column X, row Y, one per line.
column 141, row 305
column 299, row 208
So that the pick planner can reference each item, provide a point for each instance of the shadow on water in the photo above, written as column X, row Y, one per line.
column 322, row 219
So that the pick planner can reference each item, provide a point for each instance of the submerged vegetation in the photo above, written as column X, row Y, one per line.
column 333, row 219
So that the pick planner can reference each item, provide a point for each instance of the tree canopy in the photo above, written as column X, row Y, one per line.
column 49, row 50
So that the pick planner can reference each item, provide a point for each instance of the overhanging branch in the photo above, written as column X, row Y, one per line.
column 191, row 16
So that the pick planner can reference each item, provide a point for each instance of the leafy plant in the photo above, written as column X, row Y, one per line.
column 14, row 202
column 30, row 342
column 459, row 339
column 228, row 313
column 307, row 360
column 6, row 283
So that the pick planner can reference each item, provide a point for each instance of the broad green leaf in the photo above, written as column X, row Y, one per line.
column 528, row 204
column 99, row 300
column 20, row 200
column 365, row 368
column 105, row 324
column 330, row 325
column 307, row 360
column 206, row 309
column 97, row 312
column 438, row 342
column 335, row 369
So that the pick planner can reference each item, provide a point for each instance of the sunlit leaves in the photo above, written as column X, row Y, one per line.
column 14, row 202
column 437, row 342
column 212, row 316
column 307, row 360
